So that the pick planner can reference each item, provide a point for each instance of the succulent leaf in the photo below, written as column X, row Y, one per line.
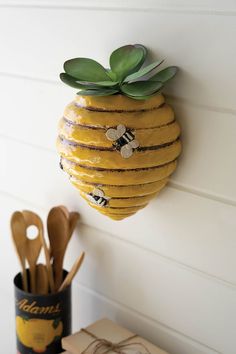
column 124, row 60
column 69, row 80
column 139, row 74
column 111, row 74
column 140, row 97
column 73, row 82
column 85, row 69
column 126, row 76
column 143, row 48
column 144, row 56
column 98, row 92
column 98, row 83
column 165, row 74
column 141, row 88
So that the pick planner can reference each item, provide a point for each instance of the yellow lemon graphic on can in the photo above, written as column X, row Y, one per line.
column 38, row 333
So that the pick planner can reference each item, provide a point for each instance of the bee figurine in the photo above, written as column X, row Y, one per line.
column 124, row 140
column 98, row 197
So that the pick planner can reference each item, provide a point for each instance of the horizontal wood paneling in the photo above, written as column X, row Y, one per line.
column 158, row 290
column 208, row 152
column 208, row 137
column 196, row 52
column 210, row 6
column 34, row 116
column 90, row 306
column 190, row 229
column 149, row 301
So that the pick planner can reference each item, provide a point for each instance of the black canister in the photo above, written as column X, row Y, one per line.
column 41, row 320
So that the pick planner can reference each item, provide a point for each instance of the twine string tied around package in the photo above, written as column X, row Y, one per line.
column 104, row 346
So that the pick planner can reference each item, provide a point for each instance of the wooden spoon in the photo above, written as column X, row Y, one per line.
column 18, row 228
column 42, row 282
column 32, row 249
column 73, row 219
column 64, row 209
column 74, row 270
column 72, row 216
column 58, row 233
column 37, row 221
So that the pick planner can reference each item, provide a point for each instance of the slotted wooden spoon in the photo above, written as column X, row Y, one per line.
column 58, row 233
column 37, row 221
column 18, row 228
column 32, row 249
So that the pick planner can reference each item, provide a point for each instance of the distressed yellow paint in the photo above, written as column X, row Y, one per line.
column 134, row 120
column 122, row 190
column 126, row 202
column 97, row 137
column 118, row 102
column 114, row 160
column 116, row 186
column 119, row 210
column 124, row 177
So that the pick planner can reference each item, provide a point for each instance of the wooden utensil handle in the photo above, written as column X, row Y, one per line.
column 50, row 277
column 58, row 272
column 24, row 280
column 32, row 279
column 48, row 264
column 42, row 281
column 74, row 270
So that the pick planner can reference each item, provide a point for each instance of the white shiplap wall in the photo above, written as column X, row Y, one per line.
column 169, row 272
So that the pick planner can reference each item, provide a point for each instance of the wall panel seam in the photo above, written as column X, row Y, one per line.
column 30, row 78
column 177, row 99
column 105, row 7
column 29, row 144
column 164, row 258
column 190, row 103
column 172, row 261
column 181, row 187
column 149, row 319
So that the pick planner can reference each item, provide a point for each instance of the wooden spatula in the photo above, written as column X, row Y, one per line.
column 58, row 233
column 18, row 228
column 37, row 221
column 72, row 273
column 42, row 283
column 32, row 249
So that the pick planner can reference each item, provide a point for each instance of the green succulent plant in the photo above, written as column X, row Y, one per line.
column 127, row 74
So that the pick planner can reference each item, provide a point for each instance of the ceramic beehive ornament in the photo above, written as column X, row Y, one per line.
column 118, row 139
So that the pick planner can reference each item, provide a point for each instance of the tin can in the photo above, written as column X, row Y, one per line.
column 41, row 320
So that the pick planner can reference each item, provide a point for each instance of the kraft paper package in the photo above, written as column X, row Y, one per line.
column 106, row 336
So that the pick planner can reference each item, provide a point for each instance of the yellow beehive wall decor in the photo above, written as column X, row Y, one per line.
column 118, row 139
column 118, row 152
